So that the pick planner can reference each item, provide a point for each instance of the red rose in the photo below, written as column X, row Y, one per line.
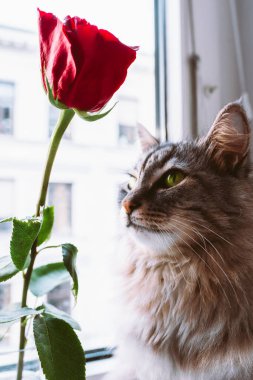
column 83, row 65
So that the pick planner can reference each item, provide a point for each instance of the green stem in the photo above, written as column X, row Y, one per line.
column 61, row 126
column 65, row 118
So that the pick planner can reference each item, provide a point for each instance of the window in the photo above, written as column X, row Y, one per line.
column 5, row 295
column 6, row 107
column 60, row 297
column 59, row 195
column 5, row 299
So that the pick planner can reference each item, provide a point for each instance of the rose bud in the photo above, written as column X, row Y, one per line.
column 82, row 66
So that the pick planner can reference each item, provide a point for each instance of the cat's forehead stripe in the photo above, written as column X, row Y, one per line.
column 145, row 162
column 158, row 157
column 155, row 173
column 158, row 162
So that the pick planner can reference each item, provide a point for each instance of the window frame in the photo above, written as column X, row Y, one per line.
column 161, row 80
column 68, row 229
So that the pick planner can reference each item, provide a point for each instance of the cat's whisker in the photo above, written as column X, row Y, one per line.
column 215, row 261
column 179, row 250
column 192, row 230
column 210, row 230
column 208, row 266
column 202, row 236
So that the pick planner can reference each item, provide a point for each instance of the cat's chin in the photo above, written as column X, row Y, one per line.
column 154, row 241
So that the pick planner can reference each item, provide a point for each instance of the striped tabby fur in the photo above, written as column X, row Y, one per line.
column 187, row 259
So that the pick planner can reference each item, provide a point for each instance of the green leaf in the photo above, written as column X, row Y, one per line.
column 7, row 268
column 11, row 315
column 53, row 311
column 92, row 117
column 60, row 351
column 47, row 277
column 47, row 225
column 69, row 252
column 24, row 233
column 6, row 220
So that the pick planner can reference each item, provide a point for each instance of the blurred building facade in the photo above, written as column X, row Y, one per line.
column 89, row 166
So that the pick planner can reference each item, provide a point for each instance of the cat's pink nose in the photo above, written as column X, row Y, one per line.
column 129, row 205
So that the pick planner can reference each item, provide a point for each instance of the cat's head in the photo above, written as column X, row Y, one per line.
column 189, row 191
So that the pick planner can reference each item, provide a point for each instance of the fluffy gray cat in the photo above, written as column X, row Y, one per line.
column 187, row 262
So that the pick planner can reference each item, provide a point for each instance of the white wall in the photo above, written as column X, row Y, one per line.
column 214, row 42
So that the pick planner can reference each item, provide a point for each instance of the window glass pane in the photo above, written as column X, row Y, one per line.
column 5, row 300
column 88, row 167
column 6, row 107
column 59, row 196
column 60, row 297
column 5, row 295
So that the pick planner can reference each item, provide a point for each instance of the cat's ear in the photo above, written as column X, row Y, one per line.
column 228, row 139
column 146, row 140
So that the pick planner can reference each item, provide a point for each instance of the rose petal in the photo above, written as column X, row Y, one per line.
column 84, row 64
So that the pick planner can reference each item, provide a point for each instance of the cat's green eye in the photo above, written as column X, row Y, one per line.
column 174, row 178
column 131, row 183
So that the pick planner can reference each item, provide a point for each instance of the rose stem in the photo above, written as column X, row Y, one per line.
column 62, row 124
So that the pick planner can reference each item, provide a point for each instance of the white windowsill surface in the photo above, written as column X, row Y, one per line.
column 97, row 369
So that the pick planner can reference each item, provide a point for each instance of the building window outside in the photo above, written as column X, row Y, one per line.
column 5, row 295
column 6, row 107
column 5, row 300
column 127, row 120
column 53, row 114
column 127, row 134
column 60, row 297
column 60, row 196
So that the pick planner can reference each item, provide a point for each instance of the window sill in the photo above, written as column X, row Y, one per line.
column 97, row 369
